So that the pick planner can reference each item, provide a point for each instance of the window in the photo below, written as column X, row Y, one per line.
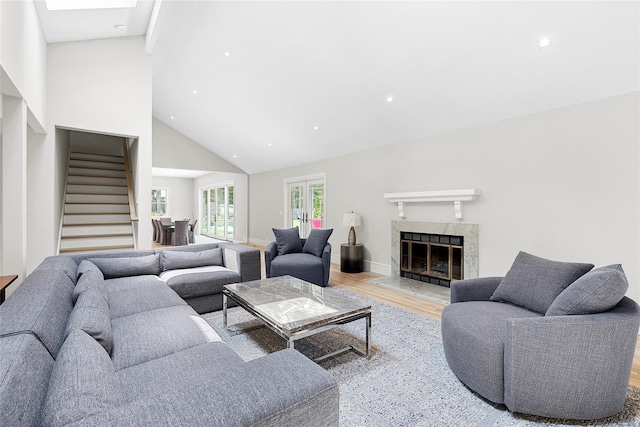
column 217, row 211
column 160, row 202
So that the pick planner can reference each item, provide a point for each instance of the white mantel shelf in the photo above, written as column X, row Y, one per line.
column 455, row 196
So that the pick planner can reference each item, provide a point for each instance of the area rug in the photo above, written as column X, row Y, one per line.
column 407, row 381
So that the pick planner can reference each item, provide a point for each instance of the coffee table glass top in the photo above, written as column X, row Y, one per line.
column 293, row 304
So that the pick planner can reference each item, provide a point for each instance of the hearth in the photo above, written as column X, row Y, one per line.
column 431, row 258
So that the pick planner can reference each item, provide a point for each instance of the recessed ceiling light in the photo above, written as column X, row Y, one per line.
column 89, row 4
column 171, row 117
column 268, row 144
column 544, row 42
column 195, row 92
column 316, row 128
column 226, row 53
column 121, row 28
column 389, row 98
column 234, row 156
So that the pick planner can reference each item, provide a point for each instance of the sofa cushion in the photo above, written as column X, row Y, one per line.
column 287, row 240
column 597, row 291
column 86, row 265
column 91, row 314
column 90, row 280
column 47, row 294
column 316, row 241
column 173, row 260
column 130, row 295
column 534, row 282
column 209, row 360
column 199, row 281
column 157, row 333
column 128, row 266
column 82, row 382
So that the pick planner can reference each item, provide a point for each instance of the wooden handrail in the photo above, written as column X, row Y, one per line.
column 127, row 168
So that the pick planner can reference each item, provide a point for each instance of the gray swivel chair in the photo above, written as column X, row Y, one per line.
column 552, row 339
column 307, row 259
column 180, row 235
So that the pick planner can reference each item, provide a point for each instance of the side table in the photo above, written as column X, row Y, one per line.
column 4, row 282
column 351, row 258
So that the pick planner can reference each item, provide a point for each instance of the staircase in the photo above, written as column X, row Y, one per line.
column 96, row 210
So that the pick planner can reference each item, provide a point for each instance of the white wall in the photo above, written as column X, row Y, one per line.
column 181, row 196
column 563, row 184
column 173, row 150
column 241, row 200
column 104, row 86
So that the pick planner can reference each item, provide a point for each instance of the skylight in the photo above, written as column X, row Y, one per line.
column 89, row 4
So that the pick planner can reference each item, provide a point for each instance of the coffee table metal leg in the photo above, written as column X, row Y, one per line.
column 290, row 343
column 224, row 310
column 368, row 336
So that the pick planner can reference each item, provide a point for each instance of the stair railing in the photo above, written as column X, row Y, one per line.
column 127, row 168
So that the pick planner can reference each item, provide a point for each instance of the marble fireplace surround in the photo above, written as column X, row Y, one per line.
column 468, row 231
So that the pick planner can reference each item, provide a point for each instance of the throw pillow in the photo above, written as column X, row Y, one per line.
column 90, row 280
column 534, row 283
column 287, row 240
column 173, row 260
column 128, row 266
column 597, row 291
column 316, row 241
column 83, row 382
column 91, row 315
column 86, row 265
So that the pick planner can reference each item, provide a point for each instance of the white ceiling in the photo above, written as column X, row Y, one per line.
column 294, row 65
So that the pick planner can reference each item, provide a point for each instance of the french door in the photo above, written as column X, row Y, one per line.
column 305, row 206
column 217, row 212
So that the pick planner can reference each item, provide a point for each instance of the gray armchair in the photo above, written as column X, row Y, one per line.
column 572, row 360
column 307, row 261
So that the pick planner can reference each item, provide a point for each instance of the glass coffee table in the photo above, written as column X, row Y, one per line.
column 296, row 309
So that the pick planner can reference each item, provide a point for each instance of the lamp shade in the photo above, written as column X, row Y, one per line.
column 351, row 219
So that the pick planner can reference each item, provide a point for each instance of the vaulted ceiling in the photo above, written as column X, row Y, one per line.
column 267, row 85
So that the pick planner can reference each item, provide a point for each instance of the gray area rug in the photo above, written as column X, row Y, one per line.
column 407, row 382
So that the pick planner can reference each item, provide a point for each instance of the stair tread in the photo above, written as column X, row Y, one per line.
column 97, row 236
column 96, row 248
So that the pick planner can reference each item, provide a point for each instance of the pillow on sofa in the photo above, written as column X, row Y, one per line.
column 90, row 280
column 128, row 266
column 287, row 240
column 316, row 241
column 173, row 260
column 82, row 383
column 534, row 283
column 597, row 291
column 86, row 265
column 91, row 315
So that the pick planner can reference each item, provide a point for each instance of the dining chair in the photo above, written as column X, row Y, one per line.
column 180, row 235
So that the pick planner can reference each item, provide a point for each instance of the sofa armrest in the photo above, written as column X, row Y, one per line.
column 270, row 252
column 549, row 358
column 326, row 263
column 242, row 259
column 280, row 389
column 479, row 289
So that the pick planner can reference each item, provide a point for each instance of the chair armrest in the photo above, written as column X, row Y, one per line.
column 549, row 358
column 242, row 259
column 270, row 252
column 479, row 289
column 279, row 389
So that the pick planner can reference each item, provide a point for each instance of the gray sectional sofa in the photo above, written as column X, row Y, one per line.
column 107, row 339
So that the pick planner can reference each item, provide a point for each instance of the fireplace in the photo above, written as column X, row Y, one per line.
column 431, row 258
column 462, row 244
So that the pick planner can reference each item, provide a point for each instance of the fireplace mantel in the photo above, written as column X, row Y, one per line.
column 455, row 196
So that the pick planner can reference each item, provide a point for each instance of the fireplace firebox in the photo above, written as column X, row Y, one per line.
column 431, row 258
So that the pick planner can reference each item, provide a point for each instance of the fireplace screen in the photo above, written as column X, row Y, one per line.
column 432, row 258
